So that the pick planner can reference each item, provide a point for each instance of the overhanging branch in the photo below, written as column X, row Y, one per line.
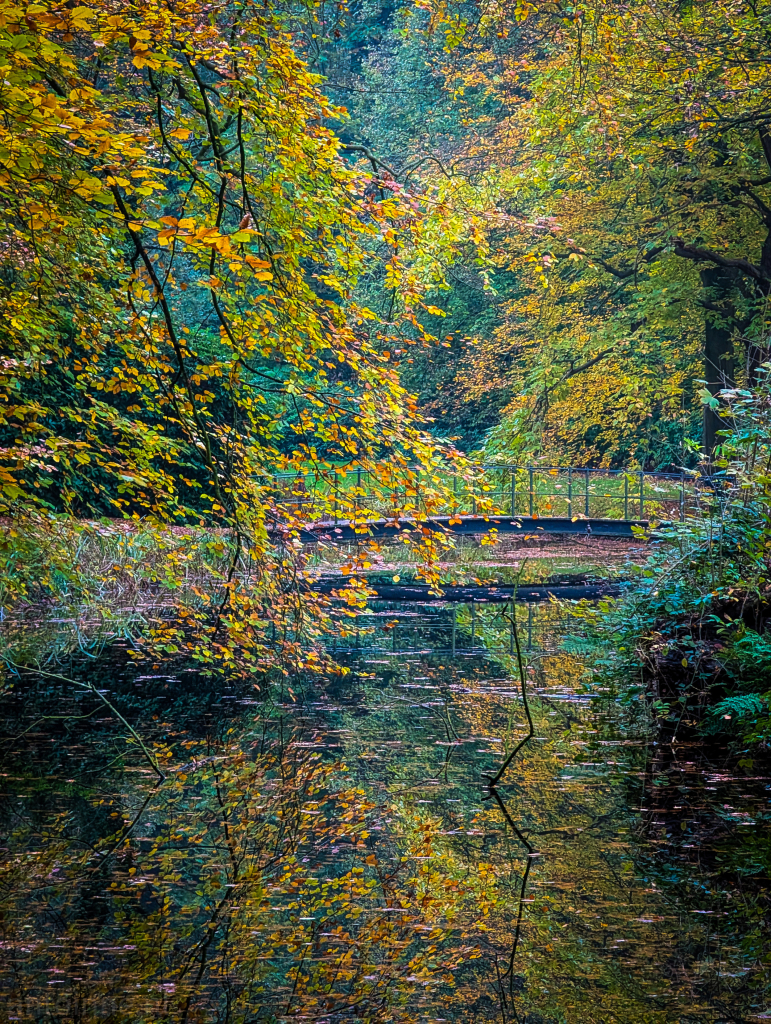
column 374, row 160
column 698, row 254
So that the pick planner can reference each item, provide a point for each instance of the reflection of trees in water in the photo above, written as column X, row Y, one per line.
column 493, row 783
column 706, row 848
column 324, row 851
column 452, row 629
column 247, row 883
column 507, row 997
column 607, row 935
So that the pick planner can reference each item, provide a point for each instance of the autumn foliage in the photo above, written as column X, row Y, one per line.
column 181, row 242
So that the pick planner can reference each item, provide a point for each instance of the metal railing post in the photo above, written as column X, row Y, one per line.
column 586, row 500
column 642, row 494
column 530, row 470
column 570, row 490
column 626, row 495
column 513, row 491
column 682, row 496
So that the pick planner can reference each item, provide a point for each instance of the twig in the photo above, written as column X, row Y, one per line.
column 522, row 890
column 101, row 696
column 523, row 683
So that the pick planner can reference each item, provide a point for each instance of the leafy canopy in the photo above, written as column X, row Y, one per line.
column 180, row 245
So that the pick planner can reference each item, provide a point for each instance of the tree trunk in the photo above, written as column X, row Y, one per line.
column 719, row 368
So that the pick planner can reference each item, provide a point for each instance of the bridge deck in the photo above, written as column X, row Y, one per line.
column 345, row 531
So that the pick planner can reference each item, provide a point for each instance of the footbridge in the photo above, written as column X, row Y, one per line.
column 525, row 501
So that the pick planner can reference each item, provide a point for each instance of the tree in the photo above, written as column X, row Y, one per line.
column 617, row 158
column 635, row 161
column 181, row 242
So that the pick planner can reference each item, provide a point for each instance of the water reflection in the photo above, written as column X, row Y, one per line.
column 328, row 851
column 390, row 629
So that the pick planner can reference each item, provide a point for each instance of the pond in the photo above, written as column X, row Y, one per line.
column 330, row 849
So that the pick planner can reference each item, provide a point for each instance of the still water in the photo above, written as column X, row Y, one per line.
column 330, row 849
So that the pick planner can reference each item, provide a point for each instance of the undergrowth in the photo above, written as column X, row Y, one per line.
column 692, row 634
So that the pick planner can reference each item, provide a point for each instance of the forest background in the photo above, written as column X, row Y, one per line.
column 241, row 239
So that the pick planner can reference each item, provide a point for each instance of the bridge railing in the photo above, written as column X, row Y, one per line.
column 565, row 491
column 578, row 491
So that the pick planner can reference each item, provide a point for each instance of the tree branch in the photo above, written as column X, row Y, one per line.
column 624, row 272
column 698, row 254
column 374, row 160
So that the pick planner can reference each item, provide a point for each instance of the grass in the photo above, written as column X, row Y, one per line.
column 76, row 586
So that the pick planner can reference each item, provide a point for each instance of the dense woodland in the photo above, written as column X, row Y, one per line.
column 270, row 264
column 245, row 245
